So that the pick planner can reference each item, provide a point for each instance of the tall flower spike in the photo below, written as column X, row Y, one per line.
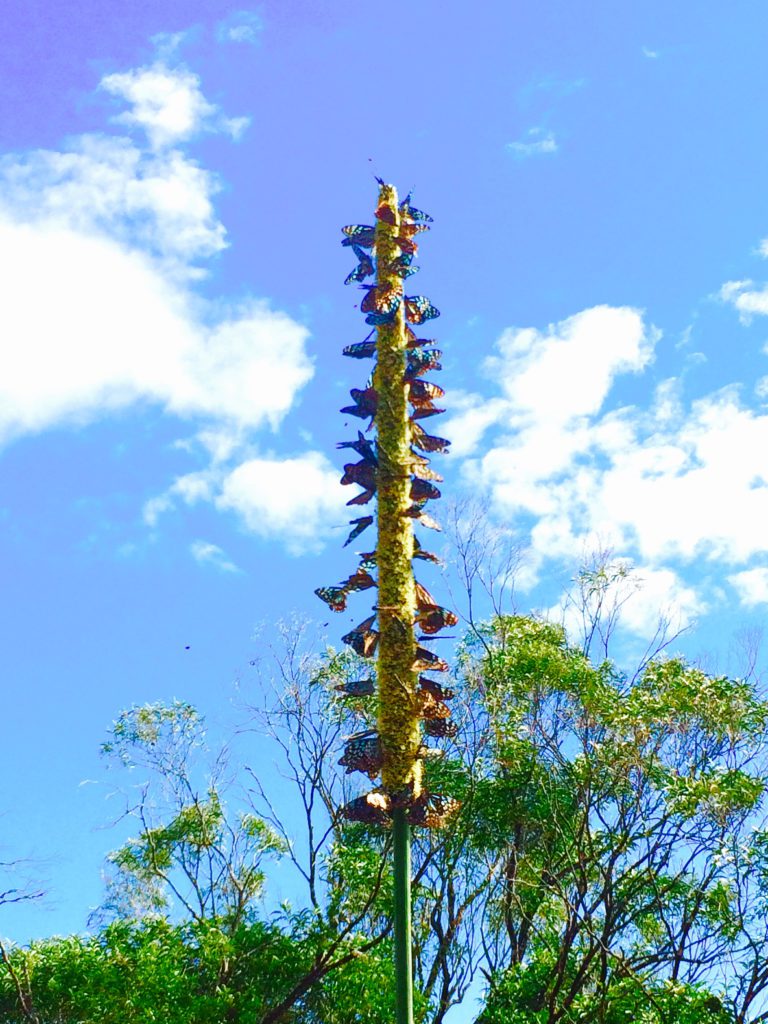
column 394, row 472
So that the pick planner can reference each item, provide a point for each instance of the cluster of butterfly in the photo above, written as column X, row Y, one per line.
column 363, row 752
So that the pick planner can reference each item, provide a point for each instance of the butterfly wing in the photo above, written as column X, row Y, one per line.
column 359, row 525
column 334, row 597
column 418, row 309
column 363, row 235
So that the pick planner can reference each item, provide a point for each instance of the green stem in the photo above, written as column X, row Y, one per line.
column 401, row 835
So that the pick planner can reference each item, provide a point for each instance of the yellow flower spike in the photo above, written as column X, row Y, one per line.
column 398, row 720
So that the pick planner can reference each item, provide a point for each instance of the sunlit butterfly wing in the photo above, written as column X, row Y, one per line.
column 362, row 639
column 334, row 597
column 431, row 753
column 356, row 688
column 359, row 525
column 413, row 214
column 429, row 708
column 432, row 811
column 419, row 552
column 380, row 300
column 359, row 580
column 417, row 512
column 384, row 212
column 423, row 490
column 438, row 692
column 424, row 411
column 428, row 661
column 440, row 727
column 423, row 597
column 423, row 391
column 407, row 245
column 410, row 228
column 422, row 360
column 432, row 620
column 426, row 442
column 363, row 235
column 419, row 309
column 370, row 809
column 423, row 472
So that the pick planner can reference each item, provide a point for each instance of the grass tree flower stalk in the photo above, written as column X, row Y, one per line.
column 394, row 469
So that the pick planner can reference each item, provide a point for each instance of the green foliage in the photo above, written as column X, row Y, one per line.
column 607, row 827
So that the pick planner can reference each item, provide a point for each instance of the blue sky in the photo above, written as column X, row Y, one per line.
column 172, row 183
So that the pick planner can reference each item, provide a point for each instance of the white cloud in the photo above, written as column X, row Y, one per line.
column 745, row 298
column 157, row 203
column 211, row 554
column 665, row 486
column 100, row 247
column 535, row 143
column 752, row 586
column 240, row 27
column 112, row 332
column 168, row 104
column 298, row 499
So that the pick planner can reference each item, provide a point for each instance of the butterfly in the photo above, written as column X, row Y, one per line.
column 419, row 309
column 423, row 391
column 423, row 490
column 433, row 619
column 356, row 688
column 416, row 512
column 411, row 341
column 438, row 692
column 422, row 411
column 427, row 661
column 363, row 497
column 421, row 439
column 423, row 472
column 409, row 228
column 422, row 361
column 419, row 552
column 362, row 639
column 440, row 727
column 412, row 213
column 379, row 319
column 379, row 299
column 363, row 755
column 334, row 597
column 363, row 446
column 368, row 560
column 359, row 580
column 385, row 213
column 359, row 525
column 362, row 473
column 363, row 235
column 432, row 811
column 364, row 267
column 402, row 266
column 370, row 809
column 429, row 708
column 406, row 244
column 360, row 350
column 365, row 403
